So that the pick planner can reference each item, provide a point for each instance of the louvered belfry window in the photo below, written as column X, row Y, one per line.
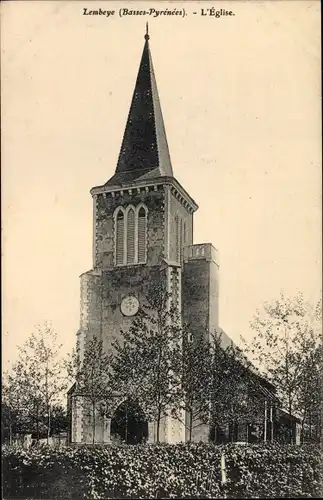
column 119, row 235
column 142, row 235
column 131, row 236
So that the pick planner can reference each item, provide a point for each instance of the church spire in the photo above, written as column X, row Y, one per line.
column 144, row 151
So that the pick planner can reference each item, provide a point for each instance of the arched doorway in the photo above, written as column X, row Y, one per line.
column 129, row 424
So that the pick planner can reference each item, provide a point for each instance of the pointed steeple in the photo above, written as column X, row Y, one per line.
column 144, row 151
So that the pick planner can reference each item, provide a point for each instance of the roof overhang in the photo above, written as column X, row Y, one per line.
column 148, row 184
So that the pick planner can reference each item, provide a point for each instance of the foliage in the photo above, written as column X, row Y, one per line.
column 147, row 365
column 235, row 392
column 190, row 470
column 166, row 371
column 35, row 384
column 17, row 406
column 288, row 346
column 309, row 400
column 196, row 381
column 219, row 386
column 92, row 372
column 59, row 419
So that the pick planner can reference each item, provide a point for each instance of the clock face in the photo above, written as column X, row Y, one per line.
column 129, row 306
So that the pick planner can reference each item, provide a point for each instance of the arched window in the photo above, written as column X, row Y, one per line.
column 119, row 237
column 131, row 236
column 142, row 235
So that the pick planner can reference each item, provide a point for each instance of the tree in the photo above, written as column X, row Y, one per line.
column 59, row 420
column 235, row 391
column 287, row 336
column 148, row 359
column 16, row 405
column 219, row 384
column 196, row 380
column 165, row 372
column 44, row 370
column 309, row 399
column 92, row 372
column 36, row 382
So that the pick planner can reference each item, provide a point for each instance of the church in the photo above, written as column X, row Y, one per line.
column 143, row 235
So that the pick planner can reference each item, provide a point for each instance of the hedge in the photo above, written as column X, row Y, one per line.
column 163, row 471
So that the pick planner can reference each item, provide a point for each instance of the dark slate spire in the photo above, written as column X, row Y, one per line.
column 144, row 152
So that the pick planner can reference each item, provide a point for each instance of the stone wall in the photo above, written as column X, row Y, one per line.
column 104, row 287
column 76, row 414
column 195, row 296
column 213, row 295
column 200, row 290
column 200, row 300
column 104, row 225
column 176, row 209
column 117, row 284
column 91, row 307
column 88, row 428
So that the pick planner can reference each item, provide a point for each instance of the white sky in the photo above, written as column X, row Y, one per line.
column 241, row 103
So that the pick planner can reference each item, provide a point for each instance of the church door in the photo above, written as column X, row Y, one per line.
column 128, row 424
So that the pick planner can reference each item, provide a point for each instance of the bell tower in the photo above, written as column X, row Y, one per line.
column 142, row 214
column 143, row 218
column 142, row 236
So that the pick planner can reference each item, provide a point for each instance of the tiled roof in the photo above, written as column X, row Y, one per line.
column 265, row 386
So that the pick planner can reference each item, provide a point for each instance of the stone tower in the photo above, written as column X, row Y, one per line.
column 142, row 235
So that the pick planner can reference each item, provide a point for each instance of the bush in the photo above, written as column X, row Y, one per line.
column 163, row 471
